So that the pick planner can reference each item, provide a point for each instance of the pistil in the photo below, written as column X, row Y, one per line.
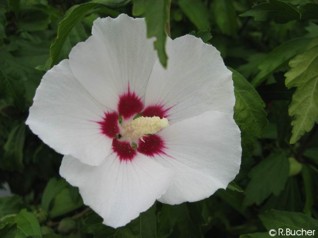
column 137, row 128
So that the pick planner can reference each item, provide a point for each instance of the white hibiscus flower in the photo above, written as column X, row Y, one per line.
column 133, row 132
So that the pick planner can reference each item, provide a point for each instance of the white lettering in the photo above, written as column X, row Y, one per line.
column 291, row 232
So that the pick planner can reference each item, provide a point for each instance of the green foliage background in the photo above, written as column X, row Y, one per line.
column 272, row 49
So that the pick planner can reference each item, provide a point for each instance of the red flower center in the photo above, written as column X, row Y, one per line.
column 130, row 106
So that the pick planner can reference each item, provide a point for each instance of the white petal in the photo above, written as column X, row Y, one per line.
column 195, row 81
column 205, row 153
column 65, row 117
column 116, row 56
column 118, row 191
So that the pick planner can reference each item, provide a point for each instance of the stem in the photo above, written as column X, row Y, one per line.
column 302, row 148
column 308, row 188
column 79, row 215
column 82, row 213
column 167, row 24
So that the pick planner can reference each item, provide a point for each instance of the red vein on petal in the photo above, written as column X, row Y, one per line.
column 123, row 150
column 129, row 104
column 155, row 110
column 109, row 126
column 151, row 145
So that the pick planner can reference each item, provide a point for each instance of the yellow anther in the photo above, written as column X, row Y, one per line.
column 141, row 126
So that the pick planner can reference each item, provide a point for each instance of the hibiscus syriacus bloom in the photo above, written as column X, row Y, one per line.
column 133, row 132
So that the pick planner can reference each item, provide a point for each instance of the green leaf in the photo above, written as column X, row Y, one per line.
column 312, row 154
column 53, row 187
column 294, row 166
column 255, row 235
column 142, row 227
column 13, row 5
column 60, row 198
column 278, row 11
column 10, row 205
column 12, row 89
column 92, row 224
column 309, row 189
column 13, row 149
column 8, row 226
column 291, row 198
column 28, row 225
column 249, row 106
column 17, row 62
column 148, row 223
column 249, row 109
column 65, row 201
column 225, row 16
column 279, row 112
column 275, row 219
column 113, row 3
column 233, row 199
column 66, row 225
column 268, row 177
column 157, row 14
column 234, row 187
column 34, row 18
column 197, row 12
column 309, row 11
column 304, row 76
column 278, row 57
column 76, row 35
column 176, row 221
column 71, row 18
column 2, row 29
